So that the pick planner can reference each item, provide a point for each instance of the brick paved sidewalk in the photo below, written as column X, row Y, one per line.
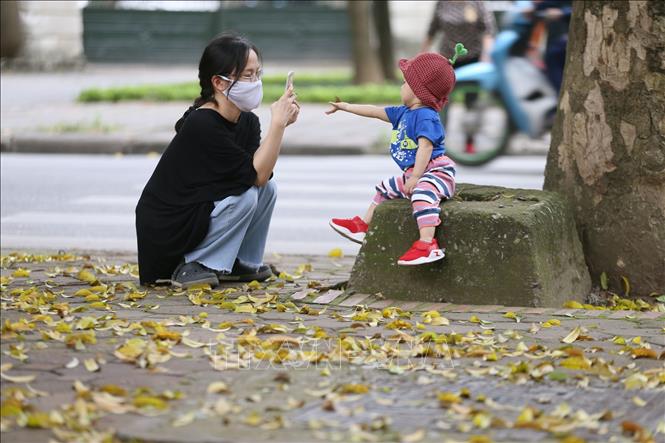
column 87, row 353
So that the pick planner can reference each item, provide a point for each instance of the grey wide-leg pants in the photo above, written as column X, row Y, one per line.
column 238, row 229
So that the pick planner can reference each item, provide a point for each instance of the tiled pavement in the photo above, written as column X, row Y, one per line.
column 530, row 392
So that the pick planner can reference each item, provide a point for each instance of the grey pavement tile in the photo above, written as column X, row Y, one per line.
column 591, row 313
column 460, row 308
column 355, row 299
column 515, row 309
column 412, row 305
column 380, row 304
column 441, row 307
column 622, row 314
column 651, row 315
column 568, row 312
column 486, row 309
column 328, row 296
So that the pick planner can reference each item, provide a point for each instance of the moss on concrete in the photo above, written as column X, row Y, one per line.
column 503, row 246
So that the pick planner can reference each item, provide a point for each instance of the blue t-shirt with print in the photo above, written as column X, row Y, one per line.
column 408, row 126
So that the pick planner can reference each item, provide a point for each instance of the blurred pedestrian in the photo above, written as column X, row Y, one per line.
column 556, row 14
column 468, row 22
column 204, row 214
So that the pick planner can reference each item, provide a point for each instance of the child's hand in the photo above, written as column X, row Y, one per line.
column 336, row 106
column 410, row 184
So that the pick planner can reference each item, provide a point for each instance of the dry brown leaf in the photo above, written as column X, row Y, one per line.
column 184, row 419
column 630, row 427
column 414, row 436
column 353, row 388
column 217, row 387
column 645, row 353
column 192, row 343
column 111, row 403
column 222, row 407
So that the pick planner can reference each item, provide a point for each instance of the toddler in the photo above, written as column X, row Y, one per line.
column 417, row 146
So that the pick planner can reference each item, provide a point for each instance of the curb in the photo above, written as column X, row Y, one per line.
column 38, row 143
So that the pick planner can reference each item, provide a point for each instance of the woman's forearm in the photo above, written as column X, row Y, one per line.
column 266, row 156
column 368, row 111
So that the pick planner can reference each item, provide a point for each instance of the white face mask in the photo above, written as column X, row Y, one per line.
column 245, row 95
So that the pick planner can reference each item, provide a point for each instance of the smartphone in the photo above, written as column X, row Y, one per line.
column 289, row 79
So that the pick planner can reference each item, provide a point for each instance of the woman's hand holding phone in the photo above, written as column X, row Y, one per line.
column 286, row 109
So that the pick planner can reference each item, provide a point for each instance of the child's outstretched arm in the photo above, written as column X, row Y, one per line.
column 362, row 110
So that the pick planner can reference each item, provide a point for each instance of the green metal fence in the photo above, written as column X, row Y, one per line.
column 289, row 33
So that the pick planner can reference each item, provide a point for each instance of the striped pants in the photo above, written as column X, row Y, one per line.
column 437, row 183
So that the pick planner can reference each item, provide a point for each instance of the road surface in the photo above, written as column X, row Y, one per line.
column 79, row 201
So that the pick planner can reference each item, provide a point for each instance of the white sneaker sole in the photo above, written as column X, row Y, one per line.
column 433, row 256
column 357, row 237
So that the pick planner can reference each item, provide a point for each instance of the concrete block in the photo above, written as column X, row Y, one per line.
column 510, row 247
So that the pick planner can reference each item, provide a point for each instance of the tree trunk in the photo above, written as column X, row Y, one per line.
column 608, row 143
column 383, row 31
column 12, row 33
column 365, row 60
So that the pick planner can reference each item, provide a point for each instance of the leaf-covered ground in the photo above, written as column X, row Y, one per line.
column 88, row 355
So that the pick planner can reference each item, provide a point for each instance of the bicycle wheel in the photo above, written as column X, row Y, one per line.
column 477, row 125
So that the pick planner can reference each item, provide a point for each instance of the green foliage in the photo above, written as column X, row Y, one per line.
column 311, row 88
column 310, row 79
column 95, row 125
column 349, row 93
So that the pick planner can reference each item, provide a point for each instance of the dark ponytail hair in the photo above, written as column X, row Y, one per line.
column 225, row 55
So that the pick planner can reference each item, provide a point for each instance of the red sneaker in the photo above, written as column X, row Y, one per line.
column 422, row 252
column 352, row 228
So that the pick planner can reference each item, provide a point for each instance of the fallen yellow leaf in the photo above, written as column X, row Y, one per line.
column 335, row 253
column 21, row 272
column 150, row 401
column 353, row 388
column 91, row 365
column 87, row 276
column 578, row 363
column 635, row 381
column 572, row 336
column 17, row 378
column 414, row 437
column 448, row 398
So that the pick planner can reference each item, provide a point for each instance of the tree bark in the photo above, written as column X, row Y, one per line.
column 382, row 22
column 365, row 60
column 607, row 154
